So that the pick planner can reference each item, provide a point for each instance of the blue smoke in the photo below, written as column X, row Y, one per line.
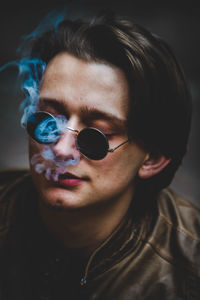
column 31, row 71
column 49, row 130
column 49, row 22
column 46, row 128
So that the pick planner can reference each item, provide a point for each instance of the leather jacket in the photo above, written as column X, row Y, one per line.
column 148, row 256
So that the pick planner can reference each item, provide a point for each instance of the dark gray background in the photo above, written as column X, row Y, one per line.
column 178, row 22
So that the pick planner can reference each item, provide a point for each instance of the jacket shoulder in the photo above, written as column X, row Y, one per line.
column 182, row 215
column 176, row 233
column 9, row 176
column 11, row 184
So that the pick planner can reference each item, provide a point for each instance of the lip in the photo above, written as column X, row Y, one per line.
column 69, row 180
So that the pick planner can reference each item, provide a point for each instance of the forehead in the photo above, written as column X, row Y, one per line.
column 78, row 83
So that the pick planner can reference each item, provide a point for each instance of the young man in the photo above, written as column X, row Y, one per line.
column 107, row 132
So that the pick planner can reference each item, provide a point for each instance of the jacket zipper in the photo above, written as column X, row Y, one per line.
column 83, row 280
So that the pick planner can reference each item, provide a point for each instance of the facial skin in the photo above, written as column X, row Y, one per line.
column 70, row 85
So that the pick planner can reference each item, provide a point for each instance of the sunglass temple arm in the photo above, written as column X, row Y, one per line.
column 113, row 149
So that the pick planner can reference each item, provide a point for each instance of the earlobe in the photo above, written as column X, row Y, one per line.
column 153, row 165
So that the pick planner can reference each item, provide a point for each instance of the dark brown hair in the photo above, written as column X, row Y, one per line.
column 160, row 110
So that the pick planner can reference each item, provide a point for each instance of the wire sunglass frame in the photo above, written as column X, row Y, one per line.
column 30, row 130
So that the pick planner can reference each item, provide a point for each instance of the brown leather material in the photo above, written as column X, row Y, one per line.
column 153, row 256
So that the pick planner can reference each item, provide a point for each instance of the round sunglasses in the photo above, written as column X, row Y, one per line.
column 46, row 129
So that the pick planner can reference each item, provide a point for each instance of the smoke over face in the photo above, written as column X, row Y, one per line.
column 47, row 132
column 30, row 73
column 51, row 165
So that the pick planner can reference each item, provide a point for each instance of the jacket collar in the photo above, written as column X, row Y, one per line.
column 124, row 239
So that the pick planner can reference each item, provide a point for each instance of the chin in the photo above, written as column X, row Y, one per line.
column 60, row 199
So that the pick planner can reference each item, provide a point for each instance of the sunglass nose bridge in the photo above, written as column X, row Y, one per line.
column 73, row 130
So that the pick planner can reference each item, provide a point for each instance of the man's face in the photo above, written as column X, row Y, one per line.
column 89, row 95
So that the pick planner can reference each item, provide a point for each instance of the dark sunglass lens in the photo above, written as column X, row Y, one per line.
column 42, row 127
column 92, row 143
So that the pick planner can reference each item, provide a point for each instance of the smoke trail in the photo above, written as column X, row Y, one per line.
column 30, row 73
column 49, row 22
column 30, row 70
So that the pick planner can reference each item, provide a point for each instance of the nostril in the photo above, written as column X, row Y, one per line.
column 63, row 161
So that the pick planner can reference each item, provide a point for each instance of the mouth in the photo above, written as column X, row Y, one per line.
column 70, row 180
column 68, row 176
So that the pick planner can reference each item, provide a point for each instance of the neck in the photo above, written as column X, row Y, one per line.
column 84, row 230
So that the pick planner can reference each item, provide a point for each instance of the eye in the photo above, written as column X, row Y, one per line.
column 109, row 135
column 105, row 132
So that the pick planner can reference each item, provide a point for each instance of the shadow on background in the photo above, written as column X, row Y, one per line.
column 178, row 23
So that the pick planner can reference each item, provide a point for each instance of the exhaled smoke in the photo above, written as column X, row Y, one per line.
column 51, row 165
column 31, row 71
column 47, row 132
column 49, row 129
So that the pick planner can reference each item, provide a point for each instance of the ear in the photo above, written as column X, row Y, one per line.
column 153, row 164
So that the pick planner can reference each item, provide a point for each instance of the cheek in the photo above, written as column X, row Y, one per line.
column 33, row 147
column 33, row 150
column 122, row 165
column 35, row 157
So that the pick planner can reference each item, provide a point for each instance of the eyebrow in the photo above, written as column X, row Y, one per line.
column 58, row 106
column 88, row 114
column 91, row 114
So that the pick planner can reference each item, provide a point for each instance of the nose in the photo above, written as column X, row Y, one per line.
column 65, row 147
